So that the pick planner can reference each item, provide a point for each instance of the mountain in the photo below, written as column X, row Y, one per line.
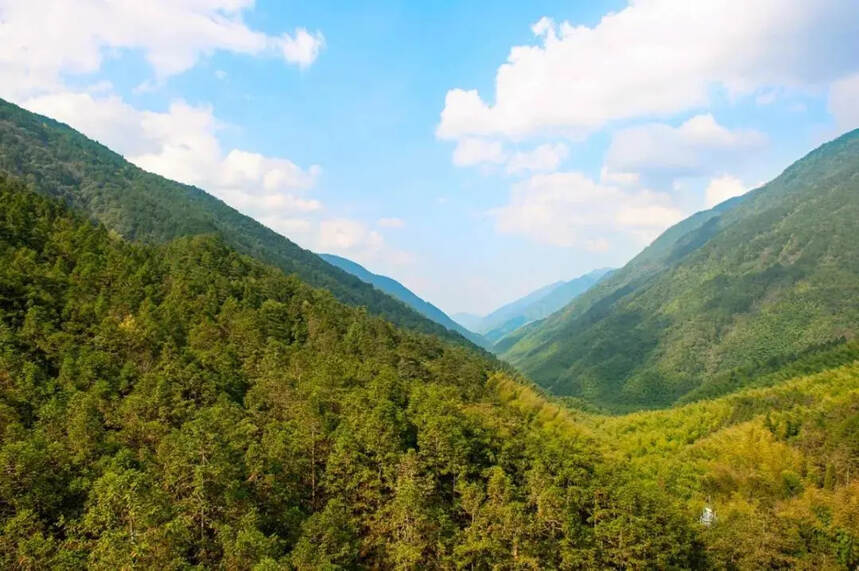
column 58, row 161
column 183, row 406
column 756, row 280
column 534, row 306
column 398, row 291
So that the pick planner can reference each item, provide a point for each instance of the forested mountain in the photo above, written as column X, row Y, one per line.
column 58, row 161
column 397, row 290
column 182, row 405
column 755, row 281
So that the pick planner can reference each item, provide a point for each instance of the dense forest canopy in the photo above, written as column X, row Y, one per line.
column 184, row 406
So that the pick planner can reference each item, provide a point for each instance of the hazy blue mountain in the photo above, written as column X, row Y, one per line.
column 532, row 307
column 398, row 291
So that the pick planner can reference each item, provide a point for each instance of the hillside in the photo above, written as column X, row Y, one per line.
column 759, row 279
column 398, row 291
column 181, row 406
column 58, row 161
column 777, row 466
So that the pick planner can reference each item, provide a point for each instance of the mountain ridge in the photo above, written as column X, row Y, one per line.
column 58, row 161
column 397, row 290
column 758, row 277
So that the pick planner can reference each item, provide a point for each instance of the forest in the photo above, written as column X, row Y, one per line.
column 184, row 406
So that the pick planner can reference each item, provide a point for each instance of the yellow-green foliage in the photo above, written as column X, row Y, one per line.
column 778, row 465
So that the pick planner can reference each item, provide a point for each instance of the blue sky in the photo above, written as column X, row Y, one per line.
column 473, row 151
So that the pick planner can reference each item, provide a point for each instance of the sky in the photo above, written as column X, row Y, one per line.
column 472, row 151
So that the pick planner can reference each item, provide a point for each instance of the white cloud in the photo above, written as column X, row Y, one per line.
column 722, row 188
column 356, row 241
column 657, row 153
column 569, row 209
column 657, row 58
column 473, row 151
column 343, row 235
column 543, row 158
column 181, row 143
column 391, row 223
column 303, row 48
column 844, row 102
column 42, row 40
column 470, row 152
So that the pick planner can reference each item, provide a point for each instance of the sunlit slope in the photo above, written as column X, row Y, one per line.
column 756, row 280
column 778, row 467
column 58, row 161
column 183, row 406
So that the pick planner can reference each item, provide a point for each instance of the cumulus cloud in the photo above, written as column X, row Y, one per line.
column 181, row 143
column 357, row 241
column 568, row 209
column 722, row 188
column 473, row 151
column 656, row 58
column 303, row 48
column 41, row 41
column 344, row 234
column 656, row 153
column 543, row 158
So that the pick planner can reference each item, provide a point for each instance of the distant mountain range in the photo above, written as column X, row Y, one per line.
column 397, row 290
column 58, row 161
column 532, row 307
column 756, row 281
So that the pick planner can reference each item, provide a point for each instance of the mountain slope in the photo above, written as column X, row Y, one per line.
column 60, row 162
column 398, row 291
column 183, row 406
column 757, row 279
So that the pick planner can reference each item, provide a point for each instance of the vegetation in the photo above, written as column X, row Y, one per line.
column 757, row 280
column 57, row 161
column 184, row 406
column 180, row 405
column 777, row 465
